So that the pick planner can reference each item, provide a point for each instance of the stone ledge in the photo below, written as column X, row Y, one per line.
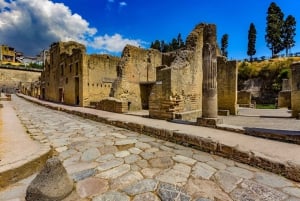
column 11, row 173
column 287, row 169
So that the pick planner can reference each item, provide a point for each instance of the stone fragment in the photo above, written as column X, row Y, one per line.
column 91, row 186
column 171, row 192
column 125, row 144
column 52, row 183
column 143, row 186
column 272, row 180
column 184, row 159
column 202, row 170
column 90, row 154
column 112, row 196
column 146, row 197
column 227, row 181
column 163, row 162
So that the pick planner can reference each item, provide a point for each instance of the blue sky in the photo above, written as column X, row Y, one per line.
column 105, row 26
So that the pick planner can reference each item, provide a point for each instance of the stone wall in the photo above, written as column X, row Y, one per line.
column 10, row 78
column 227, row 85
column 295, row 90
column 178, row 88
column 284, row 99
column 137, row 67
column 244, row 98
column 112, row 105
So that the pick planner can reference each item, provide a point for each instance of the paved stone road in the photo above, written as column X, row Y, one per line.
column 110, row 163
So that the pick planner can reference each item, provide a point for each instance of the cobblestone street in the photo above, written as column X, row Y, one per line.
column 110, row 163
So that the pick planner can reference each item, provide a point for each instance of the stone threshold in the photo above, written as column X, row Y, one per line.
column 288, row 169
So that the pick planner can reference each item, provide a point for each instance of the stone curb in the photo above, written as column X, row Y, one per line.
column 13, row 172
column 288, row 169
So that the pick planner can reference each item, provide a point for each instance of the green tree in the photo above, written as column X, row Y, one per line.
column 174, row 45
column 180, row 41
column 251, row 41
column 288, row 33
column 224, row 45
column 156, row 45
column 275, row 21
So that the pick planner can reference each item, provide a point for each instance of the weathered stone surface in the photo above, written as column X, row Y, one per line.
column 52, row 183
column 217, row 165
column 175, row 176
column 205, row 189
column 122, row 154
column 150, row 172
column 115, row 172
column 132, row 159
column 83, row 174
column 143, row 186
column 184, row 159
column 171, row 192
column 146, row 197
column 272, row 180
column 114, row 196
column 91, row 186
column 108, row 149
column 90, row 154
column 135, row 150
column 110, row 164
column 125, row 180
column 240, row 172
column 227, row 181
column 263, row 192
column 202, row 157
column 202, row 170
column 292, row 191
column 163, row 162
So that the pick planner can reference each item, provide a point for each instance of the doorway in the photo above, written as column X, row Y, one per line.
column 77, row 99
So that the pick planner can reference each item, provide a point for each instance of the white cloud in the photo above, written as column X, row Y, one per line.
column 114, row 43
column 123, row 3
column 32, row 25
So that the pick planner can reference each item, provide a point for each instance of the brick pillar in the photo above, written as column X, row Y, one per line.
column 295, row 90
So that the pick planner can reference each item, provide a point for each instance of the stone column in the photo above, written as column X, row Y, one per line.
column 209, row 86
column 295, row 90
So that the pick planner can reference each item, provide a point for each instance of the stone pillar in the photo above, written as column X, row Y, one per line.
column 209, row 86
column 295, row 90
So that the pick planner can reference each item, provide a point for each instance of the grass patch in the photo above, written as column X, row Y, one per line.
column 265, row 106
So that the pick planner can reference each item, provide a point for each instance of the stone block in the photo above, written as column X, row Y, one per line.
column 51, row 184
column 209, row 122
column 223, row 112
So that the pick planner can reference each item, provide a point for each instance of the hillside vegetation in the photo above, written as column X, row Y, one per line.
column 265, row 76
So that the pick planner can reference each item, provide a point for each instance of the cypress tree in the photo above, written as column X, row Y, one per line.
column 224, row 45
column 251, row 41
column 274, row 29
column 288, row 33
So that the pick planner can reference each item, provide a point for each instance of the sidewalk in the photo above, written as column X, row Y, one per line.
column 274, row 156
column 20, row 156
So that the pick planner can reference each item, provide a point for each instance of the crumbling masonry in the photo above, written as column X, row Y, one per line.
column 169, row 85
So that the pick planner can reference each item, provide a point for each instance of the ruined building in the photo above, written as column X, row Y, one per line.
column 170, row 84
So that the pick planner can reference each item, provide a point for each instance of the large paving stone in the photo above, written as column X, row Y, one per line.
column 125, row 180
column 173, row 176
column 171, row 192
column 163, row 162
column 202, row 157
column 91, row 186
column 112, row 196
column 202, row 170
column 108, row 149
column 292, row 191
column 240, row 172
column 217, row 165
column 146, row 197
column 263, row 192
column 143, row 186
column 110, row 164
column 272, row 180
column 227, row 181
column 77, row 176
column 115, row 172
column 51, row 184
column 90, row 154
column 184, row 159
column 132, row 159
column 150, row 172
column 198, row 188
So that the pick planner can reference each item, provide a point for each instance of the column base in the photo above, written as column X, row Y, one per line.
column 208, row 122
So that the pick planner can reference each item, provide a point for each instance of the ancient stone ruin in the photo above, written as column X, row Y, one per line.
column 176, row 85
